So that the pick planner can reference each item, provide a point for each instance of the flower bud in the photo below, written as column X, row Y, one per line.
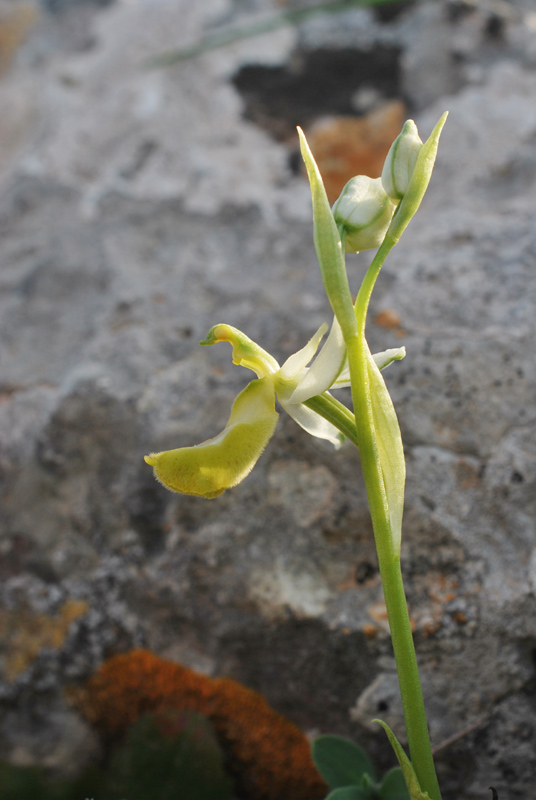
column 400, row 161
column 364, row 211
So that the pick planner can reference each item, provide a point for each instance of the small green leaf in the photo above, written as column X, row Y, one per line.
column 390, row 449
column 412, row 783
column 393, row 786
column 352, row 793
column 341, row 762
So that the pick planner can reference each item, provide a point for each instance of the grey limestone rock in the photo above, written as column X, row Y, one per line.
column 137, row 209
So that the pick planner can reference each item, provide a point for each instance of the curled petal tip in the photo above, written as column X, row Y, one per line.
column 220, row 333
column 246, row 352
column 151, row 459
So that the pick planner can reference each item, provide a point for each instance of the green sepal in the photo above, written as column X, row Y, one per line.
column 329, row 248
column 352, row 793
column 412, row 782
column 390, row 449
column 393, row 786
column 418, row 183
column 341, row 762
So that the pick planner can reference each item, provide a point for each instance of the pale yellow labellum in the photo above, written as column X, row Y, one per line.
column 208, row 469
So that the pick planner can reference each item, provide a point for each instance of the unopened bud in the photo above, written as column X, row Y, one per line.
column 364, row 211
column 400, row 161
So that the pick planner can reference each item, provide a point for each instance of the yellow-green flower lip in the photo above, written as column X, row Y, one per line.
column 217, row 464
column 208, row 469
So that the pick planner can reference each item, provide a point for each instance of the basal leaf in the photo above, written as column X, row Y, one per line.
column 393, row 786
column 341, row 762
column 351, row 793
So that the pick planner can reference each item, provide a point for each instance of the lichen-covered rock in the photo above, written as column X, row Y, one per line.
column 268, row 756
column 138, row 208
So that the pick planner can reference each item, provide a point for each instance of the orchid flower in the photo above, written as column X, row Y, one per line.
column 224, row 461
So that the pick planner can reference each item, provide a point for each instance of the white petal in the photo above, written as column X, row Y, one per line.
column 325, row 368
column 381, row 360
column 387, row 357
column 298, row 361
column 313, row 423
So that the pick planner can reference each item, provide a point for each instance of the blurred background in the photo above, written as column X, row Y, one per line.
column 150, row 187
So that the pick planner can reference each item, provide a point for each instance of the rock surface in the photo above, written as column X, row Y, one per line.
column 138, row 208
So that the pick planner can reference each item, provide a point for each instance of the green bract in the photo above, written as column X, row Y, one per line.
column 328, row 246
column 414, row 788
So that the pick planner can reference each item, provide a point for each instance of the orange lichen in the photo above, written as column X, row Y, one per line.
column 430, row 628
column 346, row 146
column 388, row 319
column 14, row 28
column 23, row 634
column 268, row 756
column 370, row 631
column 378, row 612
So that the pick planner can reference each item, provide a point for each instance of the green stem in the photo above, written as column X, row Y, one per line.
column 420, row 747
column 365, row 290
column 335, row 412
column 389, row 560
